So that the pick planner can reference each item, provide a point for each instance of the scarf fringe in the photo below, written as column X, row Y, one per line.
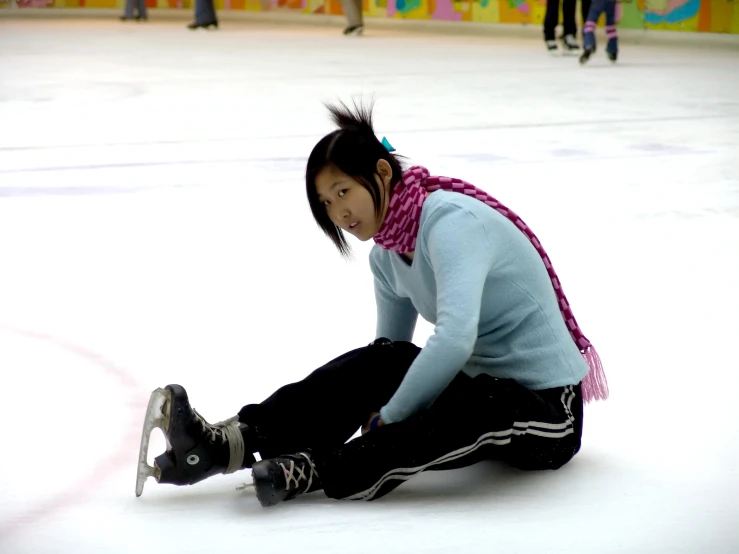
column 594, row 386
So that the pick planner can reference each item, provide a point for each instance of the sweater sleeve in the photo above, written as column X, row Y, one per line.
column 396, row 316
column 460, row 255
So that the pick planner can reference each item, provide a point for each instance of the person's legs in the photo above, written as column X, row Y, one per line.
column 611, row 35
column 128, row 10
column 324, row 409
column 474, row 419
column 585, row 10
column 569, row 25
column 141, row 5
column 327, row 407
column 354, row 17
column 589, row 42
column 205, row 14
column 551, row 18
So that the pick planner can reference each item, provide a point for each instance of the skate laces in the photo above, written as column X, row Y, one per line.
column 227, row 431
column 296, row 472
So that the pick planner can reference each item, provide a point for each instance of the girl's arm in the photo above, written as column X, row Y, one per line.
column 460, row 255
column 396, row 316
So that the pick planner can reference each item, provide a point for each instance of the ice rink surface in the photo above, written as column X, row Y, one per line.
column 154, row 229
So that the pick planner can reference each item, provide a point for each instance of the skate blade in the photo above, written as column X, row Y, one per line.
column 157, row 416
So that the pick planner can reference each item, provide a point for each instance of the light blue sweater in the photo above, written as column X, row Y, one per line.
column 479, row 280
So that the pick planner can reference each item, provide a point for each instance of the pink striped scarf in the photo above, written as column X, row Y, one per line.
column 400, row 229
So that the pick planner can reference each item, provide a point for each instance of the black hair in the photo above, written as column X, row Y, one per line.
column 352, row 149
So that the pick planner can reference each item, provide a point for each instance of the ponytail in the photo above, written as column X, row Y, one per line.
column 358, row 120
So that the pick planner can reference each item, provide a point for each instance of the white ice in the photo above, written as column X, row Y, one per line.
column 154, row 229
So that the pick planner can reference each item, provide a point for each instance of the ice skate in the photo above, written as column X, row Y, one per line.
column 354, row 30
column 196, row 449
column 207, row 25
column 612, row 49
column 587, row 52
column 570, row 45
column 280, row 479
column 551, row 46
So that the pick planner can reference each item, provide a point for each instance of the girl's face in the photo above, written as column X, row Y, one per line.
column 348, row 204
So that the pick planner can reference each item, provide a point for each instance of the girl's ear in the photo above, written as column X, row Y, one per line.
column 385, row 171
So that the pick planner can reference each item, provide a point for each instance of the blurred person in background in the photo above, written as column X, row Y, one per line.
column 569, row 24
column 205, row 15
column 597, row 8
column 134, row 9
column 355, row 19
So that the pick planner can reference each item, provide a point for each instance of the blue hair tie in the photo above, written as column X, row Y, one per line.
column 375, row 423
column 387, row 145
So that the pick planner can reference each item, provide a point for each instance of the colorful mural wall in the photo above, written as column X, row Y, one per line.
column 707, row 16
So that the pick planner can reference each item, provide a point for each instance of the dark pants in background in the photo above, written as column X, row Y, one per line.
column 205, row 12
column 569, row 22
column 135, row 9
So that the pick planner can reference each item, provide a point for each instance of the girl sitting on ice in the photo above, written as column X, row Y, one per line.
column 503, row 376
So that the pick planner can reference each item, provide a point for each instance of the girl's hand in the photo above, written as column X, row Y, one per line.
column 367, row 427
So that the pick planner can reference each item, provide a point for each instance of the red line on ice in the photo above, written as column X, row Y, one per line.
column 124, row 456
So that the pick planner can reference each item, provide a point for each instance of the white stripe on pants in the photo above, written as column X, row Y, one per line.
column 498, row 438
